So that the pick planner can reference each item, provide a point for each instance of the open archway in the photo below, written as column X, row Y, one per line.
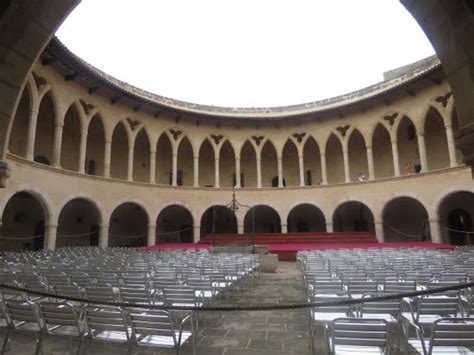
column 174, row 224
column 382, row 152
column 141, row 157
column 206, row 164
column 23, row 222
column 78, row 224
column 312, row 163
column 407, row 142
column 264, row 218
column 19, row 133
column 248, row 166
column 456, row 218
column 357, row 156
column 269, row 164
column 45, row 129
column 128, row 226
column 227, row 165
column 306, row 218
column 71, row 139
column 405, row 219
column 291, row 170
column 436, row 141
column 335, row 160
column 95, row 147
column 164, row 162
column 353, row 216
column 119, row 155
column 218, row 220
column 185, row 174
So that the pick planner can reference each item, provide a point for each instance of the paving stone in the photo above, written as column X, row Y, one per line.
column 261, row 344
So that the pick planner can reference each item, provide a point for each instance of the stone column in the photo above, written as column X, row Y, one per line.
column 329, row 227
column 422, row 149
column 240, row 228
column 280, row 171
column 50, row 236
column 301, row 166
column 370, row 162
column 196, row 171
column 451, row 147
column 216, row 172
column 379, row 233
column 238, row 183
column 196, row 233
column 174, row 171
column 324, row 171
column 284, row 228
column 82, row 152
column 259, row 172
column 152, row 166
column 130, row 162
column 396, row 160
column 434, row 230
column 30, row 143
column 107, row 156
column 58, row 137
column 347, row 173
column 151, row 238
column 104, row 236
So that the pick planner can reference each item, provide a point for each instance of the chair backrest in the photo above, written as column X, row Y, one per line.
column 55, row 315
column 105, row 319
column 359, row 332
column 399, row 286
column 361, row 287
column 437, row 305
column 21, row 313
column 332, row 308
column 391, row 307
column 320, row 286
column 151, row 322
column 101, row 293
column 135, row 295
column 180, row 295
column 454, row 332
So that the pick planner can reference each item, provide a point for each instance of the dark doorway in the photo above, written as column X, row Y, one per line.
column 38, row 241
column 459, row 222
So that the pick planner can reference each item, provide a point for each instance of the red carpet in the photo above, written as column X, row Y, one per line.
column 287, row 251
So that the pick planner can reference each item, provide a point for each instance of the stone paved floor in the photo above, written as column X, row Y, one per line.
column 232, row 333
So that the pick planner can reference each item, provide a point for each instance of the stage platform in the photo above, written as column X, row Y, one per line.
column 287, row 251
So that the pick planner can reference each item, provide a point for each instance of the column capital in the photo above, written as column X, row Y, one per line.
column 152, row 151
column 152, row 226
column 59, row 124
column 448, row 125
column 378, row 222
column 322, row 154
column 51, row 225
column 368, row 146
column 420, row 134
column 34, row 111
column 104, row 226
column 394, row 141
column 108, row 140
column 433, row 220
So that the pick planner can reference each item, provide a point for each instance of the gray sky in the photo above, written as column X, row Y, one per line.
column 245, row 52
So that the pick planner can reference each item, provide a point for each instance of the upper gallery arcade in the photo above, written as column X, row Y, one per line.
column 79, row 133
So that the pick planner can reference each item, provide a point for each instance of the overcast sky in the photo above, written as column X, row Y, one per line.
column 245, row 53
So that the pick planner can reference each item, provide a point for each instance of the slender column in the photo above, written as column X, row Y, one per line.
column 216, row 172
column 301, row 166
column 240, row 228
column 284, row 228
column 396, row 161
column 422, row 149
column 82, row 152
column 152, row 166
column 107, row 155
column 324, row 171
column 30, row 144
column 104, row 236
column 370, row 162
column 58, row 137
column 238, row 183
column 379, row 231
column 329, row 227
column 130, row 163
column 259, row 172
column 50, row 237
column 196, row 233
column 347, row 174
column 451, row 146
column 280, row 171
column 434, row 230
column 174, row 171
column 196, row 170
column 151, row 240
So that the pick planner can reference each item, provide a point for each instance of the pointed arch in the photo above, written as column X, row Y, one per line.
column 335, row 160
column 141, row 157
column 357, row 152
column 119, row 155
column 45, row 128
column 248, row 165
column 71, row 139
column 227, row 165
column 95, row 148
column 164, row 160
column 185, row 163
column 291, row 169
column 19, row 133
column 382, row 152
column 437, row 152
column 206, row 164
column 312, row 162
column 269, row 163
column 407, row 142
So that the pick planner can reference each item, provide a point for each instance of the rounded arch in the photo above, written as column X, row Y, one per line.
column 306, row 217
column 141, row 156
column 382, row 152
column 269, row 163
column 174, row 224
column 357, row 152
column 24, row 217
column 291, row 170
column 78, row 223
column 335, row 159
column 312, row 162
column 353, row 216
column 218, row 219
column 248, row 165
column 119, row 152
column 128, row 225
column 436, row 141
column 405, row 218
column 262, row 219
column 455, row 212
